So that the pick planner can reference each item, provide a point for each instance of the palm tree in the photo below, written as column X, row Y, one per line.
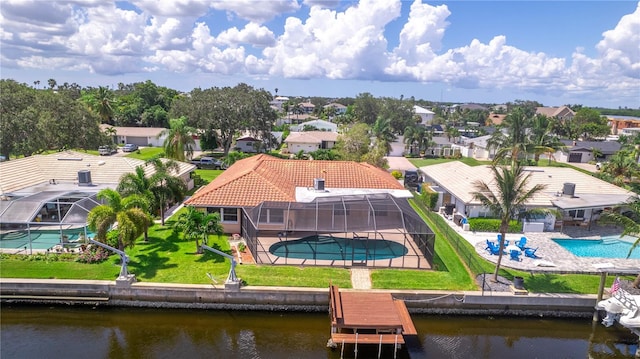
column 137, row 183
column 196, row 224
column 413, row 138
column 382, row 132
column 127, row 212
column 166, row 188
column 506, row 197
column 627, row 216
column 103, row 105
column 178, row 139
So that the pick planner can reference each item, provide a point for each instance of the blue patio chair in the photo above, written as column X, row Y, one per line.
column 515, row 255
column 493, row 248
column 522, row 243
column 531, row 253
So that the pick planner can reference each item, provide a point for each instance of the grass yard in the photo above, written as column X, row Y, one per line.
column 146, row 153
column 421, row 162
column 209, row 175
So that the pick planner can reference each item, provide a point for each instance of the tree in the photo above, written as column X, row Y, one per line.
column 179, row 140
column 166, row 188
column 542, row 141
column 590, row 124
column 354, row 143
column 103, row 104
column 198, row 225
column 383, row 133
column 137, row 183
column 627, row 216
column 127, row 212
column 366, row 108
column 506, row 198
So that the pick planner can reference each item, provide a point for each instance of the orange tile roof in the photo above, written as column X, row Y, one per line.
column 260, row 178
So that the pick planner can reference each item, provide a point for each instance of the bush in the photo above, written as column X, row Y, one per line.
column 492, row 225
column 428, row 197
column 241, row 247
column 396, row 174
column 93, row 254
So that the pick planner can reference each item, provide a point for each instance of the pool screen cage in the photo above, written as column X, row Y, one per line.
column 366, row 224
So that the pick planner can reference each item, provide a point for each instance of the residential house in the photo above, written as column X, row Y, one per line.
column 310, row 141
column 495, row 119
column 578, row 196
column 426, row 116
column 338, row 108
column 141, row 136
column 248, row 144
column 320, row 125
column 294, row 119
column 270, row 201
column 477, row 148
column 307, row 107
column 619, row 123
column 582, row 151
column 562, row 113
column 278, row 102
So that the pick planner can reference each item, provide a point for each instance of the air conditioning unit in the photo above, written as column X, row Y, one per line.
column 84, row 178
column 318, row 184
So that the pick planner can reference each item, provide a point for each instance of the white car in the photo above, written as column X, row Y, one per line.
column 129, row 147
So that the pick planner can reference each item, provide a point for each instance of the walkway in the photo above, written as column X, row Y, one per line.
column 360, row 278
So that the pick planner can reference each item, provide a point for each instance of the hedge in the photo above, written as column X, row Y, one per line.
column 492, row 225
column 428, row 197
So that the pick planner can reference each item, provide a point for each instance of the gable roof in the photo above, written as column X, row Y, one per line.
column 554, row 111
column 458, row 178
column 606, row 147
column 421, row 110
column 260, row 178
column 311, row 137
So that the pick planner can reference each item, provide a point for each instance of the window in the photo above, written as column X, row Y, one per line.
column 228, row 215
column 576, row 213
column 272, row 215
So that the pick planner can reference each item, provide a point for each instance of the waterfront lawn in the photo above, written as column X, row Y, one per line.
column 11, row 267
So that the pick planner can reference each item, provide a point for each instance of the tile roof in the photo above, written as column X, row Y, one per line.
column 553, row 111
column 135, row 131
column 260, row 178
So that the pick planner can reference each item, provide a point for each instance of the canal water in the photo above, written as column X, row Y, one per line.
column 64, row 332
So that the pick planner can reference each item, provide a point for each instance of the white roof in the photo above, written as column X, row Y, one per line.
column 421, row 110
column 458, row 179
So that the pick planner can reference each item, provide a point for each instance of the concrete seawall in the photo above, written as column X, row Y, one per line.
column 162, row 295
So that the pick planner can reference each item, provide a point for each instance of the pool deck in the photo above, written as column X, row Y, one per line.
column 553, row 257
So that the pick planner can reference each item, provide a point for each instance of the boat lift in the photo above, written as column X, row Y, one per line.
column 124, row 276
column 232, row 282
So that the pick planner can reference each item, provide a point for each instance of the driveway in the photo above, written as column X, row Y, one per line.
column 400, row 164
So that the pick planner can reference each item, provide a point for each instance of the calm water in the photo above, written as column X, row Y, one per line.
column 61, row 332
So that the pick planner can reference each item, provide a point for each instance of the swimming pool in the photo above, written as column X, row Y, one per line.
column 609, row 247
column 337, row 248
column 40, row 239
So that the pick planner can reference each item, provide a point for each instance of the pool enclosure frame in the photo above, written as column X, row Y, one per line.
column 365, row 218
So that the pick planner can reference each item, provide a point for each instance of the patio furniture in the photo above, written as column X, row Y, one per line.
column 531, row 253
column 493, row 248
column 522, row 243
column 514, row 255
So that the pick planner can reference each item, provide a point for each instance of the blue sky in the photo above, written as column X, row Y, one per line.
column 554, row 52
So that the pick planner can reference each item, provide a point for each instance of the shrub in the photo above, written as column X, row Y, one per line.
column 396, row 174
column 492, row 225
column 241, row 247
column 93, row 254
column 428, row 197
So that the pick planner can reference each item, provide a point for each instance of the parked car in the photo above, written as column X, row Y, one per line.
column 107, row 150
column 129, row 147
column 209, row 163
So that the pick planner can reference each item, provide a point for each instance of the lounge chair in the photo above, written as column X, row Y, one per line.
column 515, row 255
column 522, row 243
column 531, row 253
column 493, row 248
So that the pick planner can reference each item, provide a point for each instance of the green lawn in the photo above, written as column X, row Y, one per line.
column 421, row 162
column 209, row 175
column 146, row 153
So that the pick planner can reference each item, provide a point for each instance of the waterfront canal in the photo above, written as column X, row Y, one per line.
column 64, row 332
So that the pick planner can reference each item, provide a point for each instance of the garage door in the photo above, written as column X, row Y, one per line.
column 575, row 157
column 140, row 141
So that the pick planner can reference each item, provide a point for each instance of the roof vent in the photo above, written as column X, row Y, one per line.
column 84, row 178
column 318, row 184
column 569, row 189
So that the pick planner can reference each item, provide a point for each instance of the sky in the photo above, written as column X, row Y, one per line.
column 553, row 52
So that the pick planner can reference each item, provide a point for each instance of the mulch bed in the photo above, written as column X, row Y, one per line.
column 246, row 256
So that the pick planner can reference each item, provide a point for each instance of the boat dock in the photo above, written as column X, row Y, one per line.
column 368, row 318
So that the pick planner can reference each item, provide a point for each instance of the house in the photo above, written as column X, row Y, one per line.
column 426, row 116
column 468, row 106
column 141, row 136
column 620, row 123
column 337, row 108
column 277, row 102
column 582, row 151
column 248, row 144
column 320, row 125
column 55, row 192
column 294, row 119
column 577, row 196
column 307, row 107
column 310, row 141
column 495, row 119
column 477, row 148
column 270, row 201
column 562, row 113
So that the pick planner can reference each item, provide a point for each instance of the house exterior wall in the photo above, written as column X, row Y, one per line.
column 246, row 146
column 305, row 147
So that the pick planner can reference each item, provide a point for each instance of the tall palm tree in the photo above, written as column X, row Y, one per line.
column 198, row 225
column 413, row 138
column 127, row 212
column 179, row 139
column 506, row 197
column 136, row 183
column 627, row 215
column 166, row 187
column 104, row 99
column 382, row 131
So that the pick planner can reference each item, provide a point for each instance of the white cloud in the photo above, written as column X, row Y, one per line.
column 252, row 33
column 256, row 11
column 620, row 47
column 173, row 8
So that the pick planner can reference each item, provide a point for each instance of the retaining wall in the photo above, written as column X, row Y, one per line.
column 107, row 293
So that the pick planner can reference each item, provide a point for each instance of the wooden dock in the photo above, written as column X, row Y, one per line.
column 368, row 318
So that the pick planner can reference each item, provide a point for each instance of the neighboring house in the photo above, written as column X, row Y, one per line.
column 475, row 148
column 426, row 116
column 619, row 123
column 582, row 151
column 57, row 191
column 141, row 136
column 630, row 131
column 307, row 107
column 468, row 106
column 247, row 144
column 310, row 141
column 296, row 119
column 277, row 102
column 320, row 125
column 339, row 109
column 495, row 119
column 578, row 196
column 269, row 201
column 562, row 113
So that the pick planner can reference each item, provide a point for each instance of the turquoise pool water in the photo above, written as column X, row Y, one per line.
column 609, row 247
column 39, row 239
column 337, row 248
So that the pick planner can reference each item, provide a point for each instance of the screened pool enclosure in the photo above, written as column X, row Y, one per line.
column 44, row 221
column 374, row 230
